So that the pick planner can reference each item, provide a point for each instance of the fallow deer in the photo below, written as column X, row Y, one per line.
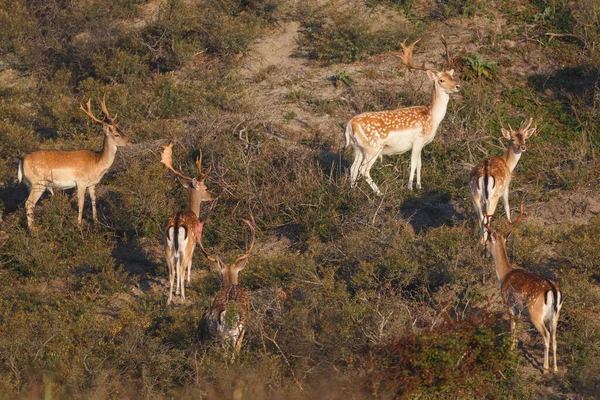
column 179, row 233
column 525, row 292
column 490, row 180
column 83, row 169
column 229, row 311
column 392, row 132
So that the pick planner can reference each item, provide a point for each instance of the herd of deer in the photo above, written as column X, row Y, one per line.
column 372, row 135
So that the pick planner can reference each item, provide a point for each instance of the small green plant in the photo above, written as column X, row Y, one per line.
column 342, row 77
column 480, row 67
column 289, row 116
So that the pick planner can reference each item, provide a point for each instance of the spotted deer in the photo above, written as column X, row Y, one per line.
column 81, row 169
column 526, row 293
column 374, row 134
column 179, row 231
column 230, row 308
column 490, row 180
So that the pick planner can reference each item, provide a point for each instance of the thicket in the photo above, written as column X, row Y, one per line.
column 383, row 297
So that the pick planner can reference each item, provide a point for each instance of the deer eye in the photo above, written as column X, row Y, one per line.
column 442, row 81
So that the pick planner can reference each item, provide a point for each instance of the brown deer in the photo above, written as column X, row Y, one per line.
column 229, row 311
column 524, row 292
column 179, row 233
column 490, row 180
column 83, row 169
column 374, row 134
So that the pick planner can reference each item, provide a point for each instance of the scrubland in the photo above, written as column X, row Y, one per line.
column 353, row 295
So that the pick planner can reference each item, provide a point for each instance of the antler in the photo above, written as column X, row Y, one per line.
column 166, row 158
column 522, row 216
column 198, row 232
column 90, row 113
column 524, row 126
column 252, row 226
column 449, row 60
column 199, row 165
column 407, row 57
column 105, row 111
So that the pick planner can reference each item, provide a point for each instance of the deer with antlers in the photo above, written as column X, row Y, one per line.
column 374, row 134
column 230, row 308
column 525, row 292
column 83, row 169
column 179, row 232
column 490, row 180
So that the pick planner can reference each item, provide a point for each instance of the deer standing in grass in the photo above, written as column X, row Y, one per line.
column 525, row 292
column 83, row 169
column 179, row 232
column 374, row 134
column 490, row 180
column 229, row 311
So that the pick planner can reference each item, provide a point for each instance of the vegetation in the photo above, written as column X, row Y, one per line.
column 351, row 295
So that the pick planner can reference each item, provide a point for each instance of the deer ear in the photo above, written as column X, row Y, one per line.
column 451, row 72
column 506, row 133
column 184, row 182
column 529, row 133
column 241, row 264
column 431, row 75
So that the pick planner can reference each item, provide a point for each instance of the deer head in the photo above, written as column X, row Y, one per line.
column 111, row 130
column 229, row 271
column 443, row 79
column 517, row 138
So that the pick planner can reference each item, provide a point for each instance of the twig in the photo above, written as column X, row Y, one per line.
column 286, row 361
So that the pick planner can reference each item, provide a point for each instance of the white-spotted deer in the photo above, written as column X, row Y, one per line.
column 179, row 231
column 392, row 132
column 229, row 311
column 525, row 292
column 490, row 180
column 83, row 169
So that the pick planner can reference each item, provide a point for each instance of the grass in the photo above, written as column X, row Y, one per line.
column 352, row 294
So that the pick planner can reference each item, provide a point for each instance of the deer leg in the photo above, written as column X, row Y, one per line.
column 189, row 264
column 476, row 200
column 539, row 325
column 513, row 328
column 554, row 323
column 34, row 196
column 187, row 259
column 370, row 159
column 358, row 160
column 506, row 205
column 415, row 156
column 419, row 171
column 169, row 255
column 80, row 201
column 92, row 190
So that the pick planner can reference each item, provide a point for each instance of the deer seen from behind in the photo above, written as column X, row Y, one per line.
column 179, row 231
column 81, row 169
column 230, row 308
column 374, row 134
column 490, row 180
column 526, row 293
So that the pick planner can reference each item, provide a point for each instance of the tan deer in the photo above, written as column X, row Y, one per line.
column 490, row 180
column 179, row 231
column 229, row 311
column 524, row 292
column 374, row 134
column 83, row 169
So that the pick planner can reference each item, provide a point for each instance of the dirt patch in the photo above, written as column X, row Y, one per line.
column 576, row 208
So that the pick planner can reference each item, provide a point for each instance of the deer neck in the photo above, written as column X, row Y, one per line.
column 501, row 264
column 230, row 276
column 439, row 105
column 108, row 153
column 512, row 157
column 194, row 200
